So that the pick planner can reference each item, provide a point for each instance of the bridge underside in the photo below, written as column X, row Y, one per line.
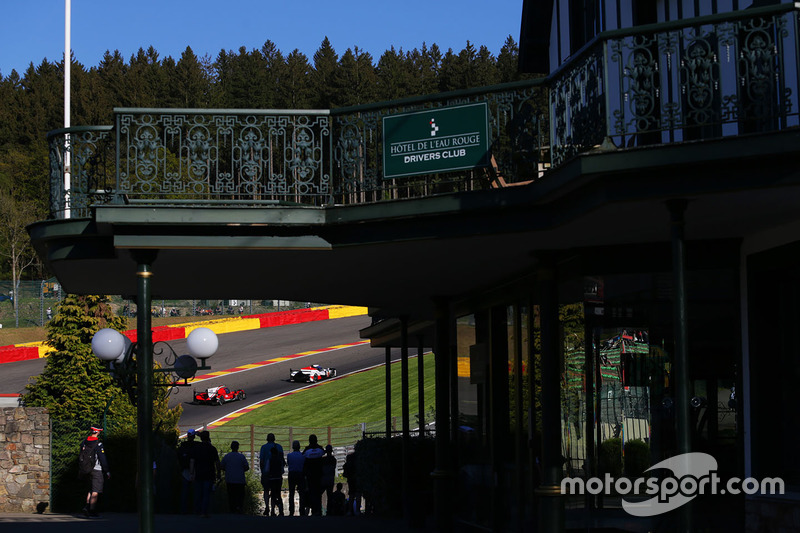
column 397, row 256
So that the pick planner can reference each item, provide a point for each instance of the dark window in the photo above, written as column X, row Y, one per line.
column 644, row 12
column 583, row 23
column 774, row 291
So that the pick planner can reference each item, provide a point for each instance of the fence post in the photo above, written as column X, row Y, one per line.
column 291, row 435
column 252, row 447
column 329, row 435
column 41, row 303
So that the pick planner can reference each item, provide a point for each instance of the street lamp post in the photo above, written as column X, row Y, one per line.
column 135, row 376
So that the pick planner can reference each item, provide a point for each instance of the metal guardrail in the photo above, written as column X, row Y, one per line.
column 694, row 79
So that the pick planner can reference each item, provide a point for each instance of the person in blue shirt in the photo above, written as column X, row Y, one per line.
column 297, row 482
column 263, row 461
column 234, row 464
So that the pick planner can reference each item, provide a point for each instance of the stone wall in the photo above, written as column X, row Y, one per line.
column 24, row 459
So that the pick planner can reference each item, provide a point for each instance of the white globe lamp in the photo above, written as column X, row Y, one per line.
column 109, row 344
column 202, row 343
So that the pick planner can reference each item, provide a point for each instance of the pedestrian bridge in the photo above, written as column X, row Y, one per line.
column 712, row 77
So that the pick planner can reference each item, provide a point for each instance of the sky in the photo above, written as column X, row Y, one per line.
column 32, row 30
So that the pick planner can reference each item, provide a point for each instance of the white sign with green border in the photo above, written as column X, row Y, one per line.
column 436, row 140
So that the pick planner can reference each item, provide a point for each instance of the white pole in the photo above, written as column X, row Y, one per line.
column 67, row 68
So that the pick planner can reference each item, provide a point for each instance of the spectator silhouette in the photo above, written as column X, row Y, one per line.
column 206, row 470
column 185, row 456
column 297, row 483
column 234, row 464
column 263, row 461
column 350, row 472
column 275, row 474
column 337, row 502
column 313, row 471
column 328, row 473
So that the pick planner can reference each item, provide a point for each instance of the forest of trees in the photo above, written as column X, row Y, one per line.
column 31, row 103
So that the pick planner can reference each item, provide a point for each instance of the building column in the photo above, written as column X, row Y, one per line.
column 499, row 412
column 590, row 360
column 421, row 384
column 404, row 385
column 551, row 503
column 680, row 372
column 520, row 440
column 144, row 386
column 442, row 474
column 388, row 391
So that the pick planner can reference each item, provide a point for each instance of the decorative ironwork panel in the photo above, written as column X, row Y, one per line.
column 235, row 157
column 704, row 81
column 700, row 78
column 81, row 170
column 577, row 105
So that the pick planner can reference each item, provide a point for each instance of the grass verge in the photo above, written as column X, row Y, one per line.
column 345, row 402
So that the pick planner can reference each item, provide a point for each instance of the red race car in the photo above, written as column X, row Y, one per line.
column 218, row 395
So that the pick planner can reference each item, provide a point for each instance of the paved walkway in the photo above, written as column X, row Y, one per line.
column 129, row 523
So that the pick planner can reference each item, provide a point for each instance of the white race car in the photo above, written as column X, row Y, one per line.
column 311, row 373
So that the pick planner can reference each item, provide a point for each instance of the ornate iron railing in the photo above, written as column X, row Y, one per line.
column 254, row 157
column 237, row 156
column 81, row 169
column 694, row 79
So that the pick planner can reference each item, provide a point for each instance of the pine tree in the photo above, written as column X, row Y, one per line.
column 41, row 102
column 74, row 383
column 322, row 76
column 147, row 81
column 450, row 72
column 484, row 69
column 274, row 71
column 112, row 73
column 393, row 77
column 424, row 66
column 355, row 80
column 295, row 90
column 191, row 80
column 170, row 92
column 88, row 93
column 508, row 61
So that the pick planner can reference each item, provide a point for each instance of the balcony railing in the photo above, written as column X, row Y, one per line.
column 81, row 169
column 688, row 80
column 253, row 157
column 694, row 79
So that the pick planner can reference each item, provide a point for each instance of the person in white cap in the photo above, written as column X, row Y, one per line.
column 93, row 467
